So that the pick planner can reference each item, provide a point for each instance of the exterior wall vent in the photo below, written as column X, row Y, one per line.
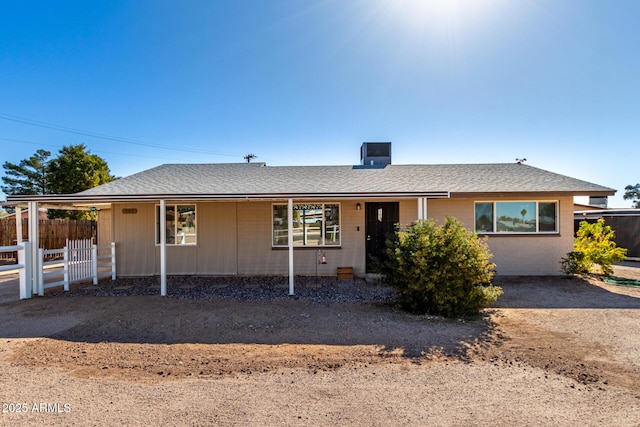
column 375, row 153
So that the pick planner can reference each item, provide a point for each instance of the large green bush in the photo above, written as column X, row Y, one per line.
column 593, row 245
column 443, row 270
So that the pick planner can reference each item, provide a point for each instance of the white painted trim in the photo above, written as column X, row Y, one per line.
column 163, row 249
column 537, row 232
column 290, row 239
column 34, row 238
column 18, row 225
column 175, row 206
column 323, row 230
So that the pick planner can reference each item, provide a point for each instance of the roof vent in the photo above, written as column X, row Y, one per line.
column 375, row 153
column 598, row 201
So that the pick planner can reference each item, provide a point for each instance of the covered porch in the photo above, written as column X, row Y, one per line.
column 288, row 259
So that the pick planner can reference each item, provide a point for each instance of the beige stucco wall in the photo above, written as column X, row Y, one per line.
column 256, row 255
column 134, row 235
column 235, row 238
column 516, row 254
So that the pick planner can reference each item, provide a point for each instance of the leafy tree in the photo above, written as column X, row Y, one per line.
column 73, row 170
column 632, row 192
column 29, row 177
column 594, row 244
column 76, row 170
column 440, row 270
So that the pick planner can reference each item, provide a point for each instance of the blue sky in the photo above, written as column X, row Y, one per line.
column 306, row 82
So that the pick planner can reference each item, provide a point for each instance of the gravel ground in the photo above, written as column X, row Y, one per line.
column 554, row 351
column 250, row 288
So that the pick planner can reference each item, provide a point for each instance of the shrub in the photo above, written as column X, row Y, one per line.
column 440, row 270
column 594, row 241
column 574, row 263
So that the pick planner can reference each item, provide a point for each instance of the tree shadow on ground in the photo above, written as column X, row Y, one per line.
column 158, row 320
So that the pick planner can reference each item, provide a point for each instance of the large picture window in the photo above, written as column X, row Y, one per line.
column 180, row 224
column 516, row 217
column 314, row 224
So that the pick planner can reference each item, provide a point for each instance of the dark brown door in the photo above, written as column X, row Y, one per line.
column 380, row 220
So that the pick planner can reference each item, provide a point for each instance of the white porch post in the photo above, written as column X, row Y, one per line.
column 24, row 258
column 18, row 225
column 290, row 241
column 422, row 208
column 163, row 249
column 34, row 239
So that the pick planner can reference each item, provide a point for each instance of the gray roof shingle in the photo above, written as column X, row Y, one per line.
column 253, row 179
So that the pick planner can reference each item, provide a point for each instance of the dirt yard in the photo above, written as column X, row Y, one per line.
column 554, row 351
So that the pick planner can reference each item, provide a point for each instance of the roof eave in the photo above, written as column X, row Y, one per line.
column 506, row 194
column 77, row 200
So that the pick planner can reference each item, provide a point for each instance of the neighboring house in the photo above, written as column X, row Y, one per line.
column 624, row 222
column 42, row 214
column 254, row 219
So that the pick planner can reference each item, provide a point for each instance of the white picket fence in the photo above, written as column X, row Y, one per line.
column 81, row 260
column 23, row 266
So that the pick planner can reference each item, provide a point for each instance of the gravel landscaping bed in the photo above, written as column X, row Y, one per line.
column 249, row 288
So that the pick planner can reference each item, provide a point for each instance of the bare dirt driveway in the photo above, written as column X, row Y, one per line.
column 554, row 351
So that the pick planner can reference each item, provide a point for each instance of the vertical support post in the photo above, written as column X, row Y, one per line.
column 65, row 255
column 290, row 241
column 420, row 208
column 24, row 259
column 41, row 272
column 113, row 260
column 163, row 249
column 94, row 263
column 424, row 208
column 18, row 225
column 34, row 239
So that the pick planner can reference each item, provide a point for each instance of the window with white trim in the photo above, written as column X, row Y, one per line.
column 180, row 224
column 516, row 217
column 314, row 224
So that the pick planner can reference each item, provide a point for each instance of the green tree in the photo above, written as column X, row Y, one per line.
column 442, row 270
column 632, row 192
column 75, row 170
column 29, row 177
column 594, row 244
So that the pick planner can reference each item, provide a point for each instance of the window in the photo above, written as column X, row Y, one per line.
column 516, row 217
column 180, row 225
column 314, row 224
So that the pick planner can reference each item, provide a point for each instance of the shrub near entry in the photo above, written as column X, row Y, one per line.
column 440, row 270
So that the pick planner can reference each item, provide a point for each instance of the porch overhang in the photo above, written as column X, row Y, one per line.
column 78, row 201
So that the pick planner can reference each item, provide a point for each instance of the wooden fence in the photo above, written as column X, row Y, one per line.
column 53, row 233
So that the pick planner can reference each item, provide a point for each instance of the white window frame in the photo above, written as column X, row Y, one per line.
column 175, row 207
column 323, row 226
column 519, row 233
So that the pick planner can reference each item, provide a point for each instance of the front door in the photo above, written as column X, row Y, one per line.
column 380, row 220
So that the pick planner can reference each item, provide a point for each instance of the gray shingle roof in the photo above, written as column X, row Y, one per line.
column 256, row 180
column 253, row 179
